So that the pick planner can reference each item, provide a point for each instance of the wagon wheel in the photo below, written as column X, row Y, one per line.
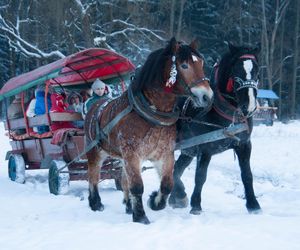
column 16, row 168
column 58, row 182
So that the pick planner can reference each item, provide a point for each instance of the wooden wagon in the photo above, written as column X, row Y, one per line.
column 54, row 149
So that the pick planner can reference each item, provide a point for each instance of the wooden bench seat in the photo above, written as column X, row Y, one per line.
column 39, row 120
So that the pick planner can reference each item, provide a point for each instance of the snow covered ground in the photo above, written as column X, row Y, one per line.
column 31, row 218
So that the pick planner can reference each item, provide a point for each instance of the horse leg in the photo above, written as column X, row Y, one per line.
column 136, row 188
column 94, row 162
column 178, row 197
column 200, row 178
column 158, row 199
column 243, row 152
column 126, row 193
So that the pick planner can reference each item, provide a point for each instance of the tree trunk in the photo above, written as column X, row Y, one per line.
column 182, row 2
column 172, row 14
column 241, row 23
column 281, row 70
column 266, row 43
column 295, row 63
column 87, row 33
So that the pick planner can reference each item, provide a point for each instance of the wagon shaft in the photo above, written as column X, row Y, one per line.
column 212, row 136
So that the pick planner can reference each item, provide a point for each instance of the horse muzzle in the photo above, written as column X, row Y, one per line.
column 202, row 96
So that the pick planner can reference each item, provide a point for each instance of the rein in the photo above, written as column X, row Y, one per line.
column 187, row 88
column 226, row 109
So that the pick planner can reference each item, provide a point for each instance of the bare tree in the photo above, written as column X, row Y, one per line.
column 179, row 27
column 270, row 41
column 12, row 30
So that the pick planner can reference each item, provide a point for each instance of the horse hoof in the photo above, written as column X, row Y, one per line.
column 96, row 205
column 156, row 205
column 196, row 211
column 175, row 202
column 254, row 208
column 143, row 220
column 254, row 211
column 128, row 206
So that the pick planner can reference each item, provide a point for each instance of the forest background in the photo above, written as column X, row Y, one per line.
column 37, row 32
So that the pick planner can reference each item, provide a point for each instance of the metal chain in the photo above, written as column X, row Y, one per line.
column 190, row 119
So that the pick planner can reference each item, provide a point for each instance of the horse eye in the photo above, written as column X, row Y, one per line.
column 184, row 66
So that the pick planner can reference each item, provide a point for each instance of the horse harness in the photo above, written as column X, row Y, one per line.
column 139, row 103
column 222, row 106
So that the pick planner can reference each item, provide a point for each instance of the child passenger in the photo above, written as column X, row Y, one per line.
column 76, row 105
column 100, row 91
column 59, row 105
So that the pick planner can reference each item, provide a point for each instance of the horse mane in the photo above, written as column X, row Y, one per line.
column 152, row 74
column 227, row 61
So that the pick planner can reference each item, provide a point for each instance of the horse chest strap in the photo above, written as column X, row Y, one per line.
column 109, row 126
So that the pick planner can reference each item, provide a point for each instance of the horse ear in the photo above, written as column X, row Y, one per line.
column 172, row 46
column 232, row 48
column 194, row 44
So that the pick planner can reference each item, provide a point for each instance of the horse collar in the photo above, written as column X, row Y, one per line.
column 226, row 109
column 149, row 113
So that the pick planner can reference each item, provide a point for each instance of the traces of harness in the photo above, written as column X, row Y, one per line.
column 227, row 131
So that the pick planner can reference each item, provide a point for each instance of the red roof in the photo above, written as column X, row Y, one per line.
column 84, row 66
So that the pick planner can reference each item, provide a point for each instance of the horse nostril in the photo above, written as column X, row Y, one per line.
column 208, row 100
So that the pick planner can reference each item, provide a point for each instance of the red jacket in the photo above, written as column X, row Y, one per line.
column 58, row 105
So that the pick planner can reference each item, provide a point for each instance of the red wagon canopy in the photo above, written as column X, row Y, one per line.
column 82, row 67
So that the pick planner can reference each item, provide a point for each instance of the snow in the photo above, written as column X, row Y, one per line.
column 32, row 218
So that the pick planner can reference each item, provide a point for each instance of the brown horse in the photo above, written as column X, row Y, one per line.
column 140, row 124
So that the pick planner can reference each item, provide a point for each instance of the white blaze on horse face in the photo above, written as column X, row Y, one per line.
column 248, row 66
column 252, row 100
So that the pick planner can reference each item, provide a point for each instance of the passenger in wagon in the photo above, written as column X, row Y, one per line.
column 76, row 105
column 40, row 107
column 85, row 94
column 59, row 105
column 100, row 91
column 15, row 111
column 75, row 102
column 30, row 112
column 31, row 107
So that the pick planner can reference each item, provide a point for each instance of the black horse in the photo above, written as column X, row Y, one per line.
column 234, row 83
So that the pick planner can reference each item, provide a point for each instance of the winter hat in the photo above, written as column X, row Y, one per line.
column 72, row 95
column 98, row 84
